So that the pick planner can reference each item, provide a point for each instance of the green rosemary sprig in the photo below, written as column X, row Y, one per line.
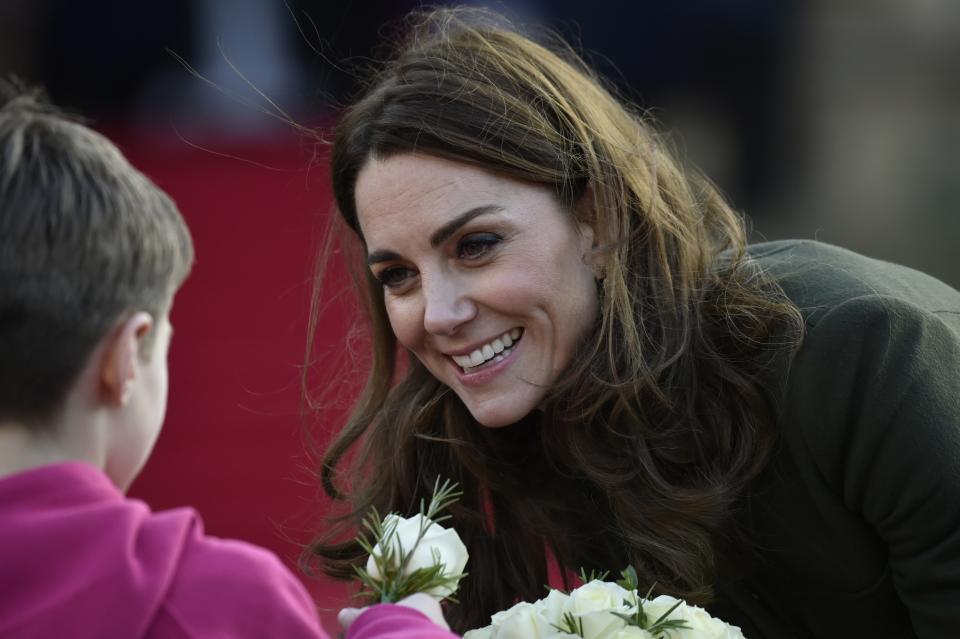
column 660, row 627
column 587, row 577
column 570, row 624
column 393, row 559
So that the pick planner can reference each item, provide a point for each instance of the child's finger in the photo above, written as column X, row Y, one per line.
column 347, row 616
column 428, row 606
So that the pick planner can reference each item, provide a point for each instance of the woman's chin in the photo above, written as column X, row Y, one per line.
column 498, row 416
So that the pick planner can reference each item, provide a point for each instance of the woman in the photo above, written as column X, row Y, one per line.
column 571, row 327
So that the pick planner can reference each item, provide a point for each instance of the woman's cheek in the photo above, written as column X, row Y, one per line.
column 404, row 321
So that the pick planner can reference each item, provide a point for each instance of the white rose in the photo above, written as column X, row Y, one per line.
column 631, row 632
column 598, row 595
column 706, row 627
column 437, row 541
column 522, row 621
column 700, row 624
column 592, row 604
column 656, row 607
column 551, row 607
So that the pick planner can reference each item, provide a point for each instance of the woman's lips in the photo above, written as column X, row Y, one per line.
column 478, row 375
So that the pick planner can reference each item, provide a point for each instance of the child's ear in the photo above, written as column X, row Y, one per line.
column 121, row 358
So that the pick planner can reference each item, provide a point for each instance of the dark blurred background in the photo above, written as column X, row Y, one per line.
column 837, row 120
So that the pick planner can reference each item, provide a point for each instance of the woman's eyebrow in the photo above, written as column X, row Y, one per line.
column 439, row 236
column 442, row 234
column 381, row 256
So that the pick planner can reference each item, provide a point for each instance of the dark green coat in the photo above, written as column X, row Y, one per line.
column 856, row 523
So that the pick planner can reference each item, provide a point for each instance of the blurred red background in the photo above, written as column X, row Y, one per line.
column 233, row 445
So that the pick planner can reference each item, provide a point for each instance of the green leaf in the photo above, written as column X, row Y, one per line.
column 664, row 625
column 592, row 576
column 570, row 624
column 630, row 579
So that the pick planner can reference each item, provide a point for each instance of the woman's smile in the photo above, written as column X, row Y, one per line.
column 488, row 368
column 495, row 350
column 486, row 280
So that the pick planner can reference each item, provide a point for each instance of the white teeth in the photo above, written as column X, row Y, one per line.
column 495, row 350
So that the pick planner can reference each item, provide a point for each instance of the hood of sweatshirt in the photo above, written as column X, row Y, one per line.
column 77, row 559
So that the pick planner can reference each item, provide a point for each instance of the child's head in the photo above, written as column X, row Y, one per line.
column 91, row 254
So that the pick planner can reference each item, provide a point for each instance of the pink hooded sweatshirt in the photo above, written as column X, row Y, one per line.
column 79, row 560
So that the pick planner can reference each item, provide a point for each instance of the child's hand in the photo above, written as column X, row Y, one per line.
column 423, row 603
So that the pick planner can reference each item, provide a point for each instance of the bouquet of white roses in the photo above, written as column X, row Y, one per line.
column 605, row 610
column 410, row 555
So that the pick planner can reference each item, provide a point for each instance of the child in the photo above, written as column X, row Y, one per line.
column 91, row 255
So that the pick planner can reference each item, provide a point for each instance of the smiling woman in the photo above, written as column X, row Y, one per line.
column 488, row 281
column 612, row 376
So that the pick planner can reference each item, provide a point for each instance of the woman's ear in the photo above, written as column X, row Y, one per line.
column 121, row 358
column 585, row 213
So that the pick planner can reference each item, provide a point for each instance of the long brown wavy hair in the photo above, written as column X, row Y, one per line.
column 646, row 445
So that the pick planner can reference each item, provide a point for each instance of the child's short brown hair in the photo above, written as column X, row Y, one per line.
column 85, row 239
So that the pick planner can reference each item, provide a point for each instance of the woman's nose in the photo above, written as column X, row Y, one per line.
column 447, row 305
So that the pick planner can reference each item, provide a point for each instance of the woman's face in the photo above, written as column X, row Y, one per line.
column 487, row 280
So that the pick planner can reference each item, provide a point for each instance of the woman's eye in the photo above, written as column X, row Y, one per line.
column 475, row 246
column 394, row 276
